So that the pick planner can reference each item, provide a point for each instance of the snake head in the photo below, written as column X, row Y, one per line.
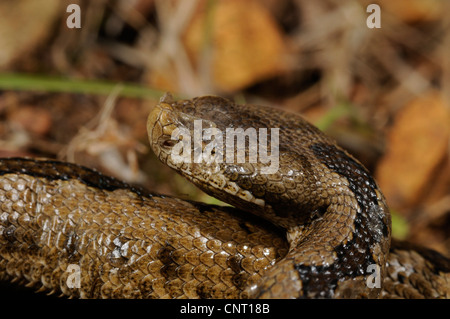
column 176, row 136
column 189, row 137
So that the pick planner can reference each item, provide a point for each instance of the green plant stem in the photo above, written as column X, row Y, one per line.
column 11, row 81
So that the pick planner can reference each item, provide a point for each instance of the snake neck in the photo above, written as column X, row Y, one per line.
column 346, row 238
column 339, row 254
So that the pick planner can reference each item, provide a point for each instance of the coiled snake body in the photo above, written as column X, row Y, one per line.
column 69, row 229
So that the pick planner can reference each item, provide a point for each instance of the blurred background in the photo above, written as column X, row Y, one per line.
column 83, row 94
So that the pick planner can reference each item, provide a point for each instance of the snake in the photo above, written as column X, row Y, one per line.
column 306, row 221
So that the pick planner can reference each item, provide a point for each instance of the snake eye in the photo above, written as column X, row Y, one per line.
column 169, row 143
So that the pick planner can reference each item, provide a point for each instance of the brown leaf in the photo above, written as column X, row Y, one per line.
column 246, row 43
column 23, row 25
column 35, row 120
column 417, row 145
column 413, row 10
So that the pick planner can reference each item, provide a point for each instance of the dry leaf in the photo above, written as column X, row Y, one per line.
column 417, row 144
column 164, row 78
column 413, row 10
column 245, row 41
column 35, row 120
column 24, row 24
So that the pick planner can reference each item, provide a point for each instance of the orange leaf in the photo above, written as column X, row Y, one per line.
column 417, row 144
column 245, row 42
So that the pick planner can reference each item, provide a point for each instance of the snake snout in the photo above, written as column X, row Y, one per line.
column 160, row 125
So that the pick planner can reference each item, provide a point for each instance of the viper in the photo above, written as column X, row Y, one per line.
column 307, row 219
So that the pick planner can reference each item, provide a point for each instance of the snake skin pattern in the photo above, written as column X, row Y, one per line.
column 317, row 228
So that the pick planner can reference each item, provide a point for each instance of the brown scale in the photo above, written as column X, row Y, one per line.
column 129, row 243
